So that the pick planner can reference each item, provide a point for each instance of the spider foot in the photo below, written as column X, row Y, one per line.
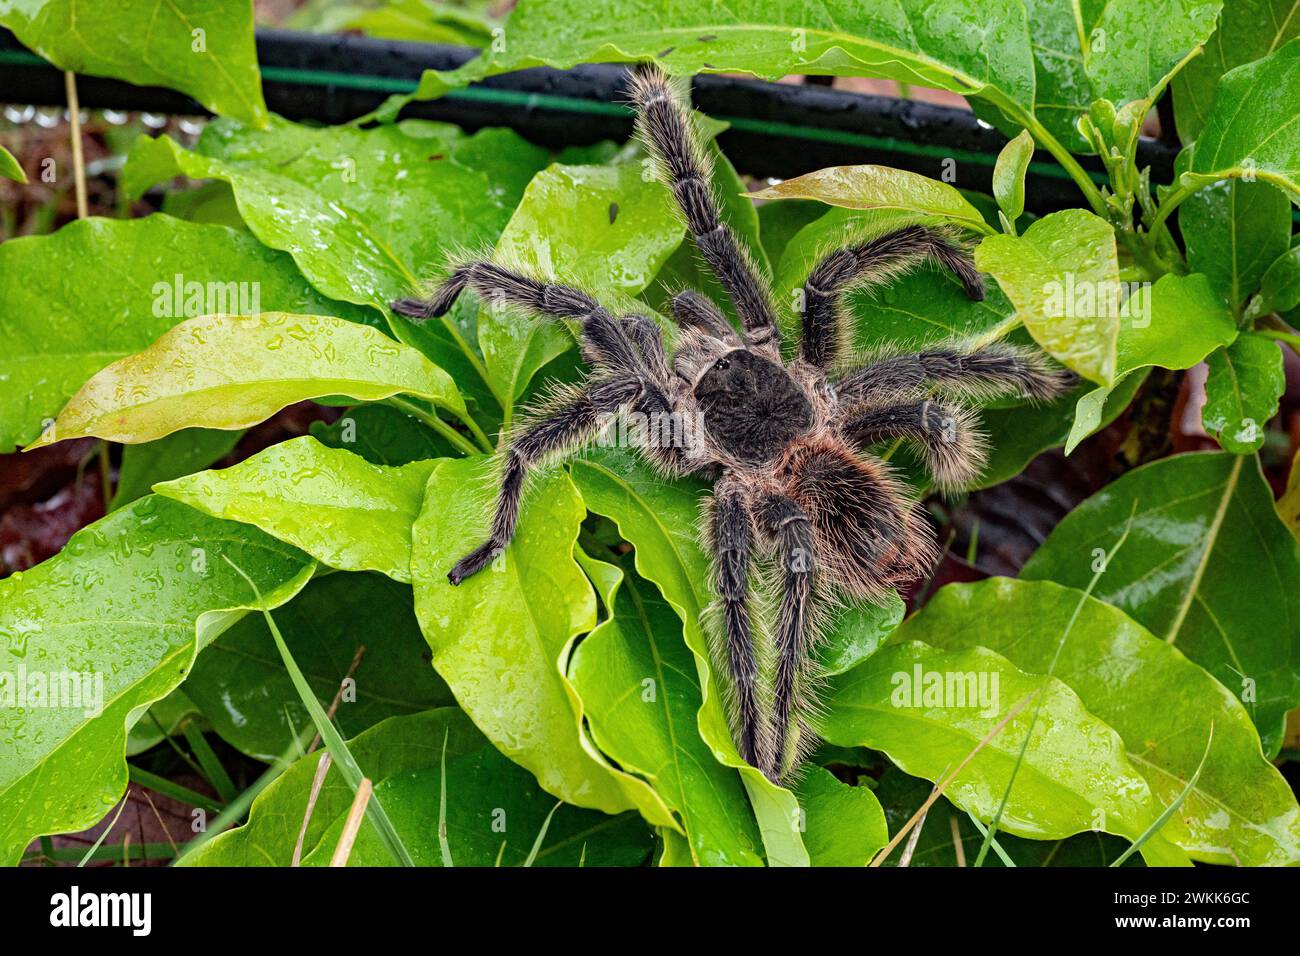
column 475, row 561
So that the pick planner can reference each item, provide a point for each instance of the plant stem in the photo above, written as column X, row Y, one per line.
column 1068, row 163
column 78, row 160
column 462, row 443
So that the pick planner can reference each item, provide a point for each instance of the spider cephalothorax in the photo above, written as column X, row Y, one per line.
column 796, row 493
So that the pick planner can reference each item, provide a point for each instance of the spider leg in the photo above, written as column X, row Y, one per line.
column 664, row 123
column 994, row 371
column 567, row 426
column 781, row 516
column 731, row 533
column 690, row 310
column 948, row 436
column 866, row 264
column 604, row 339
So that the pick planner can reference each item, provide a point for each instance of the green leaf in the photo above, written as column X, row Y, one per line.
column 660, row 518
column 1248, row 29
column 383, row 435
column 173, row 456
column 342, row 510
column 127, row 604
column 1256, row 143
column 948, row 45
column 201, row 47
column 70, row 309
column 1241, row 811
column 9, row 167
column 638, row 681
column 1061, row 275
column 1245, row 381
column 1208, row 568
column 879, row 187
column 1279, row 289
column 364, row 213
column 1123, row 51
column 1174, row 324
column 420, row 21
column 1233, row 231
column 240, row 684
column 502, row 639
column 843, row 825
column 228, row 372
column 1075, row 775
column 603, row 228
column 490, row 802
column 1009, row 174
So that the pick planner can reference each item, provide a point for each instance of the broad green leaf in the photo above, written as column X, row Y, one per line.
column 162, row 720
column 1207, row 567
column 1009, row 175
column 1259, row 142
column 1241, row 811
column 843, row 825
column 502, row 639
column 780, row 221
column 879, row 187
column 342, row 510
column 854, row 633
column 1075, row 775
column 901, row 796
column 228, row 372
column 1123, row 51
column 240, row 684
column 121, row 612
column 639, row 684
column 1233, row 231
column 67, row 310
column 420, row 21
column 201, row 47
column 364, row 213
column 1248, row 29
column 9, row 167
column 383, row 435
column 1063, row 278
column 490, row 803
column 607, row 229
column 1246, row 380
column 950, row 44
column 926, row 308
column 1174, row 324
column 1279, row 289
column 660, row 518
column 173, row 456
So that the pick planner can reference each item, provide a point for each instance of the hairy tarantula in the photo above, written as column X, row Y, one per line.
column 787, row 440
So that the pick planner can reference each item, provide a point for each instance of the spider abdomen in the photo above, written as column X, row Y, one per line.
column 869, row 534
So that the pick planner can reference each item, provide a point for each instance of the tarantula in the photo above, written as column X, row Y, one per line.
column 786, row 440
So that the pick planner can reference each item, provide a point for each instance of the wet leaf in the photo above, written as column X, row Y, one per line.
column 638, row 681
column 1241, row 811
column 174, row 456
column 228, row 372
column 68, row 312
column 843, row 825
column 201, row 47
column 502, row 639
column 128, row 603
column 1009, row 174
column 9, row 167
column 1059, row 275
column 1233, row 231
column 342, row 510
column 1246, row 380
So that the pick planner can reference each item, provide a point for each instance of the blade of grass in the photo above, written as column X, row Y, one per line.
column 443, row 844
column 322, row 768
column 174, row 790
column 213, row 771
column 541, row 834
column 1170, row 810
column 338, row 749
column 96, row 845
column 997, row 847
